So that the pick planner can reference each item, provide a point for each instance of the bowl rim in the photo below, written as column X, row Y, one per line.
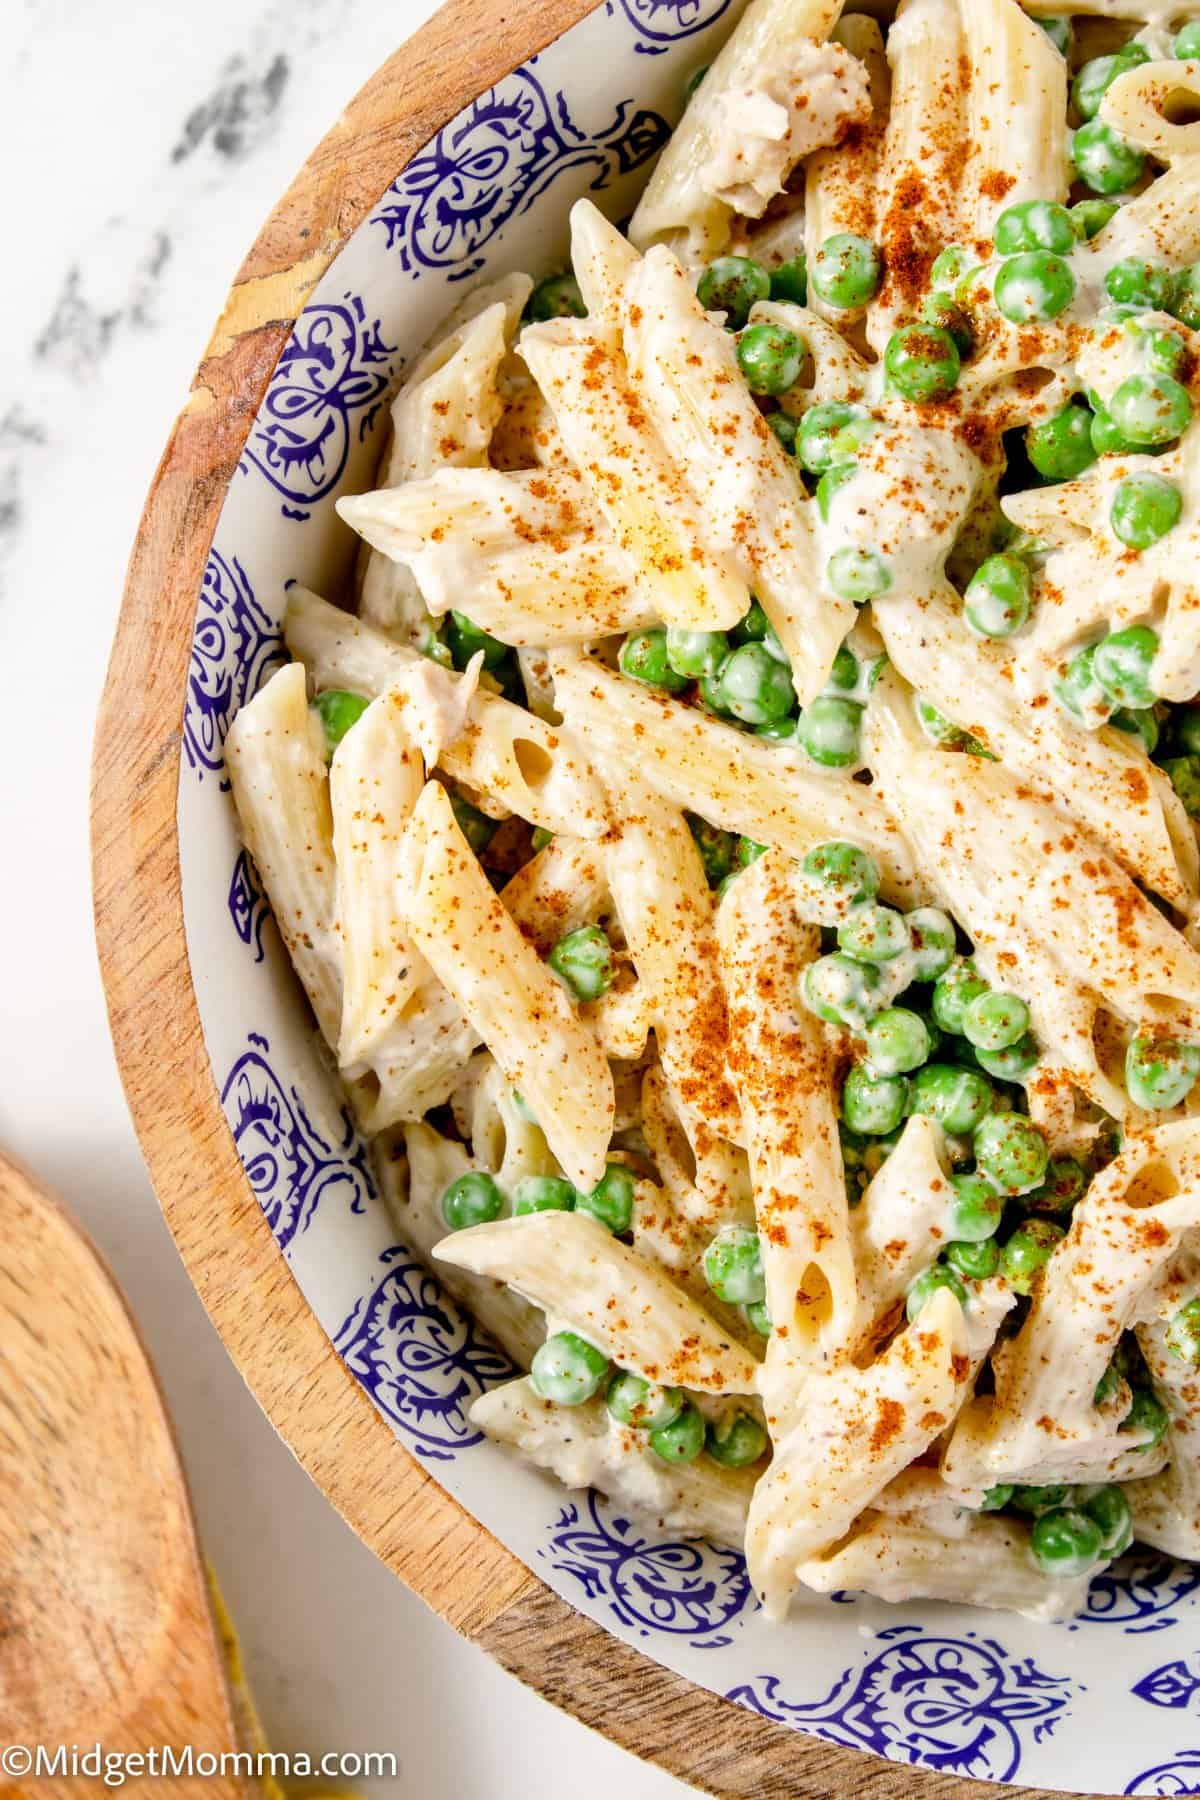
column 325, row 1417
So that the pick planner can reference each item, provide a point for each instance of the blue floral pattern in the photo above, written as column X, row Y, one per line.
column 331, row 376
column 953, row 1704
column 422, row 1360
column 235, row 646
column 659, row 23
column 291, row 1166
column 1141, row 1593
column 247, row 905
column 491, row 163
column 1174, row 1684
column 1178, row 1775
column 689, row 1590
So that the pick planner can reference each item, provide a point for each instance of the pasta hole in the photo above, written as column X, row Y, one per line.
column 1181, row 106
column 1150, row 1186
column 534, row 761
column 814, row 1302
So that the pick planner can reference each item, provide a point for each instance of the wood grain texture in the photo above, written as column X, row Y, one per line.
column 107, row 1635
column 419, row 1531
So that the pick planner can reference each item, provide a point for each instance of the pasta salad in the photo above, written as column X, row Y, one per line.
column 739, row 849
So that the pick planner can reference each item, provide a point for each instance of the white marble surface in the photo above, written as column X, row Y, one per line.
column 141, row 146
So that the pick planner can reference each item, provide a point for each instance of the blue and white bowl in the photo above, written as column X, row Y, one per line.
column 1111, row 1702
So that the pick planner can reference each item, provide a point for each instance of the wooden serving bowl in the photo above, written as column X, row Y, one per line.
column 325, row 1414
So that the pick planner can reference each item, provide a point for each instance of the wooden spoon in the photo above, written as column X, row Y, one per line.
column 106, row 1630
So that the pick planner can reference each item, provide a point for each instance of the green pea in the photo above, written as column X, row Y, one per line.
column 611, row 1200
column 644, row 657
column 1106, row 439
column 873, row 933
column 474, row 1199
column 830, row 482
column 786, row 429
column 845, row 671
column 712, row 696
column 898, row 1041
column 1163, row 350
column 1037, row 1500
column 846, row 270
column 994, row 1498
column 1122, row 663
column 747, row 851
column 1182, row 1336
column 1133, row 282
column 1144, row 508
column 789, row 281
column 466, row 639
column 1108, row 1508
column 857, row 574
column 752, row 627
column 1103, row 160
column 1060, row 448
column 642, row 1404
column 827, row 731
column 820, row 429
column 475, row 826
column 844, row 870
column 716, row 848
column 1011, row 1152
column 993, row 1021
column 733, row 1268
column 975, row 1209
column 873, row 1104
column 1089, row 217
column 736, row 1440
column 1109, row 1386
column 946, row 314
column 1147, row 1414
column 432, row 647
column 973, row 1261
column 1187, row 41
column 1150, row 409
column 927, row 1284
column 542, row 1193
column 1033, row 286
column 954, row 991
column 1058, row 30
column 1160, row 1073
column 770, row 358
column 949, row 267
column 1185, row 724
column 1028, row 1251
column 1184, row 303
column 997, row 599
column 583, row 961
column 695, row 653
column 922, row 362
column 566, row 1369
column 1066, row 1182
column 1139, row 722
column 1012, row 1063
column 1066, row 1542
column 683, row 1439
column 732, row 284
column 541, row 837
column 957, row 1098
column 1078, row 688
column 557, row 298
column 1097, row 76
column 841, row 991
column 755, row 686
column 759, row 1318
column 338, row 711
column 1184, row 775
column 1034, row 225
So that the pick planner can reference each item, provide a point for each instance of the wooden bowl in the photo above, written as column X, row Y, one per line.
column 325, row 1415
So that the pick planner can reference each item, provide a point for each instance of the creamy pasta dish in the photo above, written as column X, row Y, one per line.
column 739, row 849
